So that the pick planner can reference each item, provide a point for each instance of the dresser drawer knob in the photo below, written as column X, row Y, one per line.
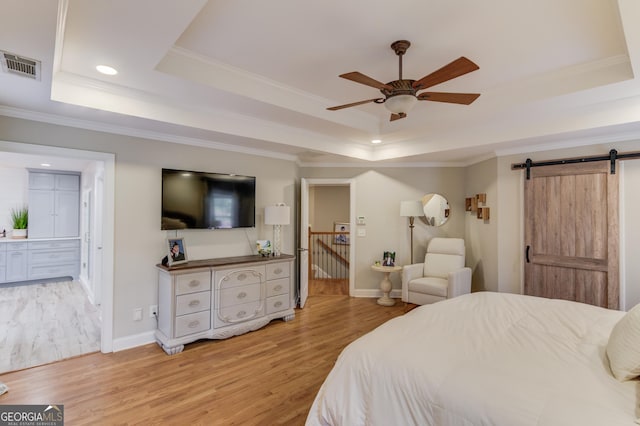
column 277, row 304
column 242, row 277
column 194, row 324
column 194, row 283
column 241, row 314
column 277, row 271
column 194, row 303
column 242, row 295
column 278, row 287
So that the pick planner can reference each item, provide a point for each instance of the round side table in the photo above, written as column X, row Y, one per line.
column 385, row 284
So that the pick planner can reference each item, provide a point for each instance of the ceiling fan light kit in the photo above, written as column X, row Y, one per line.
column 401, row 95
column 400, row 104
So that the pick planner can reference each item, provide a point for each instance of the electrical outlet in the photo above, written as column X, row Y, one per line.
column 137, row 314
column 153, row 311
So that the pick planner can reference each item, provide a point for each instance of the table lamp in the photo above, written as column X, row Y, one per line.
column 277, row 216
column 411, row 209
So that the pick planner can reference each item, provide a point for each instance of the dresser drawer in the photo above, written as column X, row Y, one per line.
column 43, row 257
column 192, row 323
column 238, row 277
column 54, row 244
column 238, row 313
column 277, row 303
column 192, row 283
column 277, row 287
column 237, row 295
column 193, row 302
column 277, row 270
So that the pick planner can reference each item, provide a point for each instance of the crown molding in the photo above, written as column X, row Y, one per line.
column 128, row 131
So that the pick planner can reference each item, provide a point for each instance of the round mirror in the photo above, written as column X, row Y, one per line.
column 436, row 209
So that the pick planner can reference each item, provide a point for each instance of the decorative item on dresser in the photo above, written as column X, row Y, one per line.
column 221, row 298
column 277, row 216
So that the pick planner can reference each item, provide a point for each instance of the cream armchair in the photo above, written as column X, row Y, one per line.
column 441, row 276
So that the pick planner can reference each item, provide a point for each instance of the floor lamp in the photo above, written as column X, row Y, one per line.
column 411, row 209
column 277, row 216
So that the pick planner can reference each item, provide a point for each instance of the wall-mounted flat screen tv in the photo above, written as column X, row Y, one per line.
column 199, row 200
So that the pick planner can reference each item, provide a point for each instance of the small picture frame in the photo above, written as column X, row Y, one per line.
column 389, row 258
column 264, row 248
column 177, row 251
column 342, row 236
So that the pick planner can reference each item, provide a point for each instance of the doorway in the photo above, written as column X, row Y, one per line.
column 327, row 245
column 100, row 167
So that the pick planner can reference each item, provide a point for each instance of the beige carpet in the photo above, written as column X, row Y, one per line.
column 46, row 322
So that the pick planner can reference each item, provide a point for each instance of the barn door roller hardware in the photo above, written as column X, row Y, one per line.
column 612, row 157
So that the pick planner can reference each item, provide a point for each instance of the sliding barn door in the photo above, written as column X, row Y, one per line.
column 571, row 233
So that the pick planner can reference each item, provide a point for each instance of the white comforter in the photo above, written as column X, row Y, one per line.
column 481, row 359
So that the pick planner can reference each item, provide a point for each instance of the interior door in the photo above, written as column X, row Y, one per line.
column 571, row 233
column 303, row 250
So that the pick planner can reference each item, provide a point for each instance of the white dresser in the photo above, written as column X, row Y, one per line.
column 220, row 298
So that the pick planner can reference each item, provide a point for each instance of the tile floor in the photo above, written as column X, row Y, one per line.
column 45, row 322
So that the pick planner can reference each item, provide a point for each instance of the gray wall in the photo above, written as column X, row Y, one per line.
column 379, row 192
column 139, row 242
column 493, row 247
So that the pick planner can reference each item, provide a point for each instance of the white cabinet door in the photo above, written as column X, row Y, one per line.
column 67, row 216
column 16, row 265
column 67, row 182
column 54, row 205
column 42, row 181
column 41, row 213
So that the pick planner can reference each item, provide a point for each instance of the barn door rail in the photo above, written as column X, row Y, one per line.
column 612, row 157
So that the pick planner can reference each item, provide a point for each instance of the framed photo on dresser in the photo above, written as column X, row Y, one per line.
column 177, row 251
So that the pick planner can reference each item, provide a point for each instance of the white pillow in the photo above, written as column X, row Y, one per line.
column 623, row 348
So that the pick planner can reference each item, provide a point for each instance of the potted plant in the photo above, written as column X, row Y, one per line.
column 20, row 220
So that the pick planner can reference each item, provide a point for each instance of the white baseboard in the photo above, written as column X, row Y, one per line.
column 128, row 342
column 371, row 292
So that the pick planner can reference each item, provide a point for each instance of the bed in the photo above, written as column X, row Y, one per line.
column 483, row 359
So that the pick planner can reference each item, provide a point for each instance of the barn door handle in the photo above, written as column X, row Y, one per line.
column 527, row 254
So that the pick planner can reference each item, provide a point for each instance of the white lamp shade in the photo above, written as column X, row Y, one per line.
column 400, row 103
column 276, row 215
column 411, row 208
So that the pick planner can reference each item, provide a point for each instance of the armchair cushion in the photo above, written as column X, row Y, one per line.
column 443, row 255
column 430, row 285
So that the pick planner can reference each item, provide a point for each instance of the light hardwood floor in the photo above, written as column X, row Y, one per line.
column 266, row 377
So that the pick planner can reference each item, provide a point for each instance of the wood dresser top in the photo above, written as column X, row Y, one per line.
column 223, row 261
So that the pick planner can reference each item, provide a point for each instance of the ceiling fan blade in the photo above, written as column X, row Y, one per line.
column 358, row 77
column 453, row 98
column 455, row 69
column 335, row 108
column 395, row 117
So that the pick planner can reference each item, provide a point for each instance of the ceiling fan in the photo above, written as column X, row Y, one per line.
column 400, row 95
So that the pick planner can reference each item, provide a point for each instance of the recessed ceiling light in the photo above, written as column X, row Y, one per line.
column 376, row 141
column 186, row 174
column 105, row 69
column 45, row 165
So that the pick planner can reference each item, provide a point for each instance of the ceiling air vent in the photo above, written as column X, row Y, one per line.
column 19, row 65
